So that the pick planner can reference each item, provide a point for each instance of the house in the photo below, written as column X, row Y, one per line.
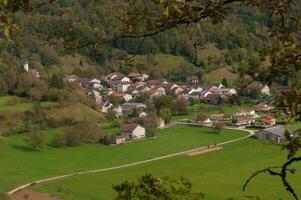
column 138, row 77
column 228, row 91
column 120, row 139
column 244, row 112
column 133, row 131
column 212, row 98
column 219, row 117
column 123, row 86
column 193, row 80
column 71, row 78
column 265, row 89
column 129, row 108
column 142, row 114
column 267, row 121
column 243, row 121
column 34, row 73
column 274, row 134
column 104, row 106
column 262, row 107
column 125, row 96
column 115, row 78
column 156, row 83
column 95, row 83
column 118, row 110
column 155, row 92
column 176, row 91
column 161, row 123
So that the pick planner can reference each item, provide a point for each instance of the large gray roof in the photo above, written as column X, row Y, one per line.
column 276, row 130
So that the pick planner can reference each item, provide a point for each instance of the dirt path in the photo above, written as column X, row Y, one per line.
column 27, row 194
column 22, row 187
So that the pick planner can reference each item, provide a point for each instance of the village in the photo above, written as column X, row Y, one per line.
column 121, row 95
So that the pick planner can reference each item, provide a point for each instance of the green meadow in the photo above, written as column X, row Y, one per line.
column 19, row 164
column 219, row 175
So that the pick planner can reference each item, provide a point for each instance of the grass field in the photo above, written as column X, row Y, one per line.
column 19, row 164
column 18, row 106
column 220, row 175
column 216, row 76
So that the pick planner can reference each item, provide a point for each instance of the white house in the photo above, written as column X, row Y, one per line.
column 95, row 83
column 123, row 86
column 229, row 91
column 125, row 96
column 133, row 131
column 265, row 90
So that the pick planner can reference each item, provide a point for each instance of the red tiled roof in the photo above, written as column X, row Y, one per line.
column 129, row 127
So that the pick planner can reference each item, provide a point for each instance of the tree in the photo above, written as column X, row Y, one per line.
column 218, row 127
column 180, row 107
column 3, row 86
column 82, row 132
column 108, row 139
column 35, row 138
column 225, row 82
column 35, row 94
column 201, row 117
column 61, row 139
column 56, row 81
column 150, row 187
column 165, row 114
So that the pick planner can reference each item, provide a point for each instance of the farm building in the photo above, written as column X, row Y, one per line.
column 274, row 134
column 133, row 131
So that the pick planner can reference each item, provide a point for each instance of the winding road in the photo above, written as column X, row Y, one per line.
column 251, row 133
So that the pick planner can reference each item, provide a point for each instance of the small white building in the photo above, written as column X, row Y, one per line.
column 133, row 131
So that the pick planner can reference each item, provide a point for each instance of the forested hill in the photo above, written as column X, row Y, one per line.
column 193, row 49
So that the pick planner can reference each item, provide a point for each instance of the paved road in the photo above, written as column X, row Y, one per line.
column 251, row 133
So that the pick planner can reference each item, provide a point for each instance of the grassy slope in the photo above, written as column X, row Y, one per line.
column 170, row 62
column 220, row 175
column 18, row 164
column 216, row 76
column 79, row 112
column 19, row 106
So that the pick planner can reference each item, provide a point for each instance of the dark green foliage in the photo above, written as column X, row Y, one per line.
column 35, row 138
column 108, row 139
column 56, row 81
column 150, row 187
column 225, row 82
column 80, row 133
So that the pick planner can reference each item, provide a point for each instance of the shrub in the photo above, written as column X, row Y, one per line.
column 35, row 138
column 61, row 139
column 108, row 139
column 82, row 132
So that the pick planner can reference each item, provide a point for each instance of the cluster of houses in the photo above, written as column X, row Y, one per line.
column 256, row 117
column 135, row 84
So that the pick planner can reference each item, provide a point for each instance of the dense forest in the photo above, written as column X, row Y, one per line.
column 47, row 37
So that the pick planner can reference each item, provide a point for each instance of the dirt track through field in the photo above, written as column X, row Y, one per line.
column 22, row 187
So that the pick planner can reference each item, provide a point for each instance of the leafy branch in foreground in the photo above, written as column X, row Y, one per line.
column 282, row 171
column 150, row 187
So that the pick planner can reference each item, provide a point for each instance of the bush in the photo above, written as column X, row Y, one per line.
column 61, row 139
column 35, row 138
column 80, row 133
column 108, row 139
column 12, row 101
